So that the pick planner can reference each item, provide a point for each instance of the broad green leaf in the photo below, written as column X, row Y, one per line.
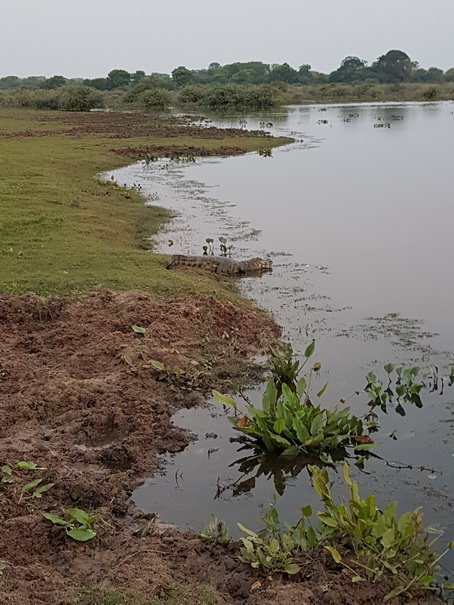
column 317, row 424
column 80, row 515
column 291, row 452
column 6, row 470
column 280, row 440
column 306, row 511
column 55, row 520
column 31, row 485
column 357, row 579
column 347, row 479
column 301, row 387
column 426, row 581
column 128, row 360
column 269, row 397
column 335, row 553
column 81, row 534
column 388, row 368
column 300, row 430
column 291, row 568
column 41, row 489
column 138, row 330
column 279, row 426
column 396, row 591
column 223, row 399
column 327, row 520
column 310, row 349
column 157, row 365
column 247, row 531
column 367, row 447
column 28, row 466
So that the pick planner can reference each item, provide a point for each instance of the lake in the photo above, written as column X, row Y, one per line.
column 357, row 215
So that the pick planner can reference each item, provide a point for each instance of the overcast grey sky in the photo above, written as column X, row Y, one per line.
column 88, row 38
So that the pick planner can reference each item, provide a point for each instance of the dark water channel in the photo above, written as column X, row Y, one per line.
column 358, row 216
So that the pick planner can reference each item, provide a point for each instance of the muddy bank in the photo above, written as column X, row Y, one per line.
column 79, row 397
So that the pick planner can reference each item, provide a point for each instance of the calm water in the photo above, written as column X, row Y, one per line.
column 358, row 215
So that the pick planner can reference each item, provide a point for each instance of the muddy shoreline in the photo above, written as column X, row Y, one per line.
column 80, row 398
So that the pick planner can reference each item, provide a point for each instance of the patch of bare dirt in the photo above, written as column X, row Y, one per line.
column 121, row 125
column 79, row 397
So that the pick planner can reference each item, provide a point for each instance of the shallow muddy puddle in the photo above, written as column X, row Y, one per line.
column 357, row 216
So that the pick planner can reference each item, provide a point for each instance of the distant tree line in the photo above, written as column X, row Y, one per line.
column 394, row 66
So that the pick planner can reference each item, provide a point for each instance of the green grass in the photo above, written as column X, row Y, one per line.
column 63, row 231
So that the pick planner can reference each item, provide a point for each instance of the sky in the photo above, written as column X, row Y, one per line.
column 89, row 38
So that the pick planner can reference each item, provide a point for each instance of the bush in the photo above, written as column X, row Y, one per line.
column 192, row 93
column 80, row 98
column 154, row 98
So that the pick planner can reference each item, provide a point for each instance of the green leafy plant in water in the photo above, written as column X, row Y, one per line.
column 380, row 540
column 288, row 423
column 265, row 153
column 78, row 525
column 224, row 250
column 404, row 386
column 216, row 530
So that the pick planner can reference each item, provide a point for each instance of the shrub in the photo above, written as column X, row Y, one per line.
column 154, row 98
column 80, row 98
column 192, row 94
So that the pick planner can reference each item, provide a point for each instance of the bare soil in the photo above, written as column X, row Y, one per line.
column 79, row 397
column 121, row 125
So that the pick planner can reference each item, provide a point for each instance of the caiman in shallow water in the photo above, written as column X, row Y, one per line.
column 221, row 264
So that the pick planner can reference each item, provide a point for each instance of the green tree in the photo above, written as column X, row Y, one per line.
column 395, row 66
column 53, row 82
column 118, row 78
column 284, row 73
column 304, row 74
column 351, row 70
column 137, row 76
column 182, row 76
column 449, row 75
column 435, row 75
column 9, row 82
column 98, row 83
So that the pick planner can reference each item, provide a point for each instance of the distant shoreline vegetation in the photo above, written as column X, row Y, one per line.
column 251, row 85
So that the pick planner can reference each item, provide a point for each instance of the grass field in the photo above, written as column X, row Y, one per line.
column 62, row 230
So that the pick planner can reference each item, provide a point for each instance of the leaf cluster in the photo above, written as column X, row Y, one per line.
column 287, row 426
column 78, row 524
column 380, row 540
column 216, row 530
column 404, row 386
column 31, row 490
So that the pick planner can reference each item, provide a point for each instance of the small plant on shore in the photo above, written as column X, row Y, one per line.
column 29, row 491
column 379, row 539
column 216, row 530
column 78, row 524
column 271, row 549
